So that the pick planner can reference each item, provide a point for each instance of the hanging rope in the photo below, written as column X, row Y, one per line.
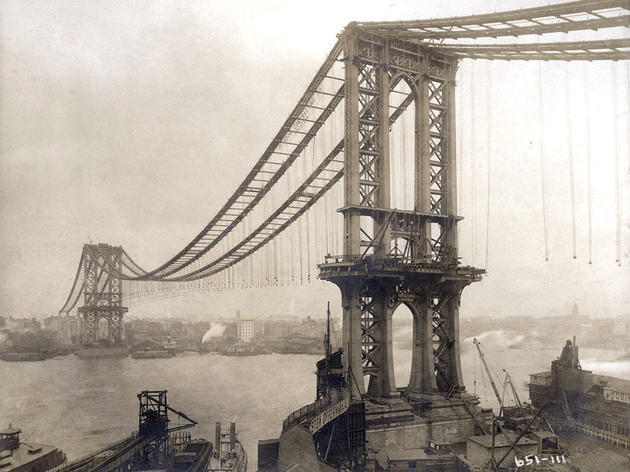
column 403, row 200
column 316, row 207
column 617, row 176
column 290, row 234
column 472, row 165
column 489, row 156
column 308, row 229
column 459, row 148
column 588, row 166
column 299, row 223
column 325, row 207
column 542, row 158
column 571, row 163
column 475, row 363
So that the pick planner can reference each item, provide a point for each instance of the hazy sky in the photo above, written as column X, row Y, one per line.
column 130, row 122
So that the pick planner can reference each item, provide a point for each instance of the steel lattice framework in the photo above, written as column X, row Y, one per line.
column 102, row 292
column 390, row 256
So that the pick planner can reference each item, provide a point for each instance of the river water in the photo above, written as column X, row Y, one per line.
column 81, row 405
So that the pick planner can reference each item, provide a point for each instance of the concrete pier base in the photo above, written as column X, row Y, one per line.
column 415, row 423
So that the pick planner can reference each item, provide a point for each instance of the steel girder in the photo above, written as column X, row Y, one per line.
column 612, row 49
column 558, row 18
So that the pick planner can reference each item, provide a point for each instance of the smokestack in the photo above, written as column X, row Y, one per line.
column 232, row 436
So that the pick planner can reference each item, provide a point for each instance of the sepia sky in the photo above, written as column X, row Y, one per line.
column 131, row 122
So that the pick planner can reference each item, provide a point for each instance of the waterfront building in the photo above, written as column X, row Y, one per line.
column 245, row 331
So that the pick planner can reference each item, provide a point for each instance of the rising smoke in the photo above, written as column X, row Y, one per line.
column 216, row 330
column 498, row 339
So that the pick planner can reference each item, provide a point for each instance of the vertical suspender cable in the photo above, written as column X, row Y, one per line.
column 299, row 223
column 252, row 277
column 275, row 261
column 334, row 197
column 326, row 201
column 472, row 164
column 267, row 265
column 326, row 229
column 290, row 232
column 326, row 198
column 316, row 206
column 541, row 146
column 588, row 166
column 308, row 237
column 403, row 179
column 459, row 112
column 617, row 176
column 570, row 150
column 489, row 156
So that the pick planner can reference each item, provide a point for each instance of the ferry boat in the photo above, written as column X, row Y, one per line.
column 24, row 356
column 577, row 400
column 243, row 349
column 153, row 349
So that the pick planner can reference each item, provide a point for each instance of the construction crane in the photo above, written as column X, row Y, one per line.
column 485, row 365
column 508, row 381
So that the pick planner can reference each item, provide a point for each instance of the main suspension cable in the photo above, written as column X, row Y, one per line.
column 64, row 308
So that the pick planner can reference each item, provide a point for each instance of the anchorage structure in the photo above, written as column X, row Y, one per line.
column 102, row 292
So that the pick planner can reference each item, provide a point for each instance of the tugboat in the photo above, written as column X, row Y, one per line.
column 16, row 456
column 229, row 455
column 193, row 457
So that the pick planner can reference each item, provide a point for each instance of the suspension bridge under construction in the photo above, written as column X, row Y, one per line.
column 324, row 200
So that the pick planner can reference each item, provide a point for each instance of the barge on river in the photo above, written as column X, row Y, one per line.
column 580, row 401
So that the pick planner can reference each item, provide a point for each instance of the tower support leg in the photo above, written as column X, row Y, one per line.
column 352, row 359
column 422, row 378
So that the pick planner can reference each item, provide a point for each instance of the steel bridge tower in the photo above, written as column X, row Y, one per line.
column 394, row 256
column 102, row 292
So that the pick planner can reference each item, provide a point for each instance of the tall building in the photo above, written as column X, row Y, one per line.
column 245, row 331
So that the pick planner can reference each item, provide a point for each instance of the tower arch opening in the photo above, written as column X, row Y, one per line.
column 402, row 344
column 102, row 330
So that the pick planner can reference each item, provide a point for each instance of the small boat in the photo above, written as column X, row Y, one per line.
column 229, row 454
column 193, row 458
column 19, row 456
